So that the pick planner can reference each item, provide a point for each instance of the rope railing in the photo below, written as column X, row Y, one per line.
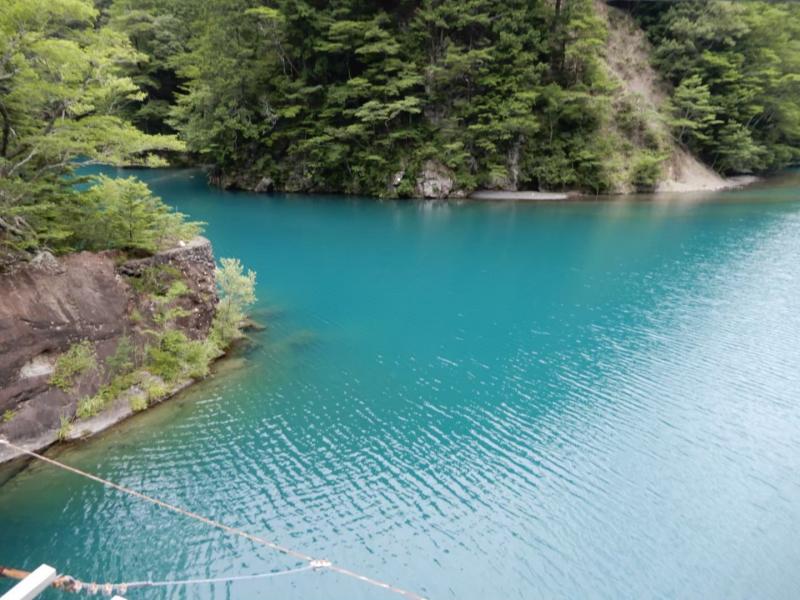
column 70, row 584
column 313, row 563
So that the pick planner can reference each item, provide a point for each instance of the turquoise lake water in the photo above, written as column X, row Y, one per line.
column 479, row 401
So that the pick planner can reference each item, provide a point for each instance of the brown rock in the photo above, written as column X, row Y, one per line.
column 49, row 304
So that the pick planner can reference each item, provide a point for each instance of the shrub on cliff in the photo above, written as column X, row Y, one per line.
column 78, row 359
column 175, row 356
column 124, row 214
column 237, row 292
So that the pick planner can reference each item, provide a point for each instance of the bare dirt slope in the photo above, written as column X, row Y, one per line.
column 628, row 59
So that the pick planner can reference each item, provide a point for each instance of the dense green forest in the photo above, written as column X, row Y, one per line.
column 735, row 72
column 355, row 96
column 362, row 97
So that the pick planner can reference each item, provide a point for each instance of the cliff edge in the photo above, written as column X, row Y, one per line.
column 75, row 333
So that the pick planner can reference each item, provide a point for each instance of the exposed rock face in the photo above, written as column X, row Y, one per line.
column 434, row 181
column 244, row 180
column 394, row 182
column 49, row 304
column 195, row 261
column 265, row 185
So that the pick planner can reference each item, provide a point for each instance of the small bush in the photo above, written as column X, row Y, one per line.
column 165, row 317
column 8, row 415
column 177, row 356
column 77, row 360
column 166, row 357
column 122, row 361
column 155, row 280
column 155, row 390
column 138, row 402
column 199, row 355
column 176, row 290
column 646, row 171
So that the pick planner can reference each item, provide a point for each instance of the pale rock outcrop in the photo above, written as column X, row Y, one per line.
column 435, row 180
column 265, row 185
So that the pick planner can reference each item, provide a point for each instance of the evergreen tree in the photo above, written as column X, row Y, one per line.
column 735, row 69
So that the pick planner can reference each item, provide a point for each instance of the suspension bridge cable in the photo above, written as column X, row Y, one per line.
column 313, row 563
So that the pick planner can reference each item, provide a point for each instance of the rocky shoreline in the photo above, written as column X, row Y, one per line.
column 435, row 181
column 49, row 305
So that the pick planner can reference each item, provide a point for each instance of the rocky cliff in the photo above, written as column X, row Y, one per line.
column 100, row 302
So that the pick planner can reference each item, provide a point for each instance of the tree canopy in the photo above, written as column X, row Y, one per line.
column 64, row 86
column 735, row 68
column 344, row 95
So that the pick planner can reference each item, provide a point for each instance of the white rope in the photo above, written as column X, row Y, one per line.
column 75, row 585
column 140, row 584
column 313, row 563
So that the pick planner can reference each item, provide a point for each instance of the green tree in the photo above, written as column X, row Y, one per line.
column 159, row 31
column 734, row 65
column 122, row 213
column 693, row 114
column 62, row 88
column 237, row 292
column 346, row 96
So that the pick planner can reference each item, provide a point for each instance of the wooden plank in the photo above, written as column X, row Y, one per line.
column 32, row 585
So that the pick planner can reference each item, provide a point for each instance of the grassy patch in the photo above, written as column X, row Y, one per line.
column 64, row 428
column 155, row 390
column 138, row 402
column 8, row 415
column 155, row 280
column 92, row 405
column 77, row 360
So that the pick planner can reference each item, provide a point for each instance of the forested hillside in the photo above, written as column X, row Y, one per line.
column 734, row 69
column 357, row 96
column 398, row 98
column 364, row 97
